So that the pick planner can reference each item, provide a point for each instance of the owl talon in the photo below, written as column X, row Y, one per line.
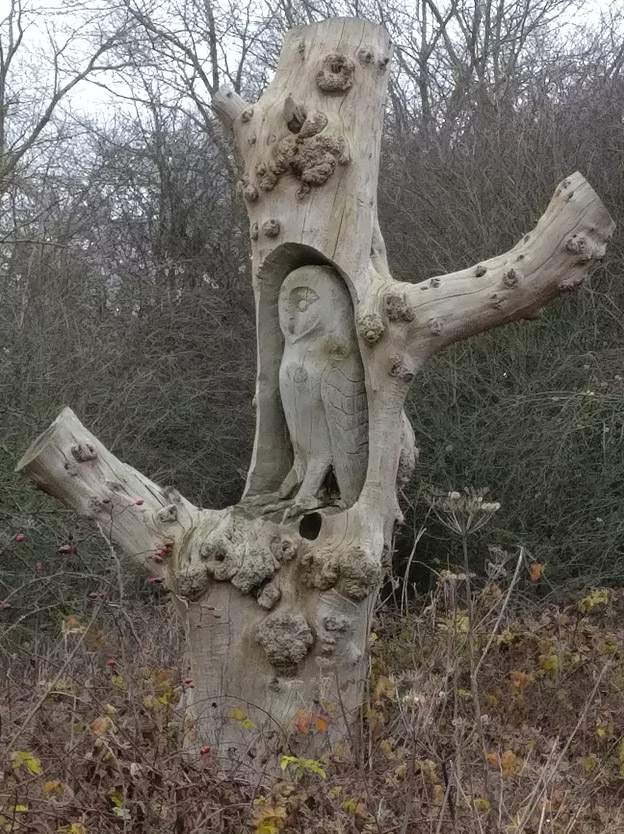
column 299, row 507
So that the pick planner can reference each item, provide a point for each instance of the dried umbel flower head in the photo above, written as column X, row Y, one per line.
column 496, row 565
column 447, row 577
column 463, row 512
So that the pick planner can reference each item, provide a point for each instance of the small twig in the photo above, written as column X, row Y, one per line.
column 501, row 614
column 543, row 781
column 55, row 680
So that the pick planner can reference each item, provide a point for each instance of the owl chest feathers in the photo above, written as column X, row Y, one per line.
column 300, row 388
column 322, row 386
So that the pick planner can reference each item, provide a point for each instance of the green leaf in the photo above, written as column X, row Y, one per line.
column 300, row 766
column 116, row 798
column 21, row 758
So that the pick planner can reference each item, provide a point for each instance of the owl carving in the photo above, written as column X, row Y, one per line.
column 321, row 381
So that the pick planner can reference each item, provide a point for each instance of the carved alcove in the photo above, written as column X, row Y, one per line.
column 311, row 395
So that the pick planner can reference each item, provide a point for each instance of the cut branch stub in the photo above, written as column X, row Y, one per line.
column 70, row 464
column 336, row 73
column 228, row 105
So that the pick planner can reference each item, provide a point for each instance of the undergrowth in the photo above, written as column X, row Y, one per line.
column 488, row 711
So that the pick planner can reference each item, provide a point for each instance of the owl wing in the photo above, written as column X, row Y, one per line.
column 343, row 394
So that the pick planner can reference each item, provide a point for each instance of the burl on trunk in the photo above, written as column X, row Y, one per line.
column 276, row 592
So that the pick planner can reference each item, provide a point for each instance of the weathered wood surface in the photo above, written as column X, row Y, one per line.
column 277, row 592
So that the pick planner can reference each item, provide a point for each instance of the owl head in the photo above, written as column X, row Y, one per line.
column 313, row 299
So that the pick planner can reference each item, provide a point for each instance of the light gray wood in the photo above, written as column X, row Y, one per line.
column 276, row 593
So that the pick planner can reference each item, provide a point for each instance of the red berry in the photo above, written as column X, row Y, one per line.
column 19, row 537
column 138, row 502
column 111, row 662
column 151, row 580
column 188, row 681
column 204, row 751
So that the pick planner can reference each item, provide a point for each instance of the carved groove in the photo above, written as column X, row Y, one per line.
column 321, row 381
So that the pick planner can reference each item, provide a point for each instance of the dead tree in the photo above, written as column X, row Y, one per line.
column 276, row 592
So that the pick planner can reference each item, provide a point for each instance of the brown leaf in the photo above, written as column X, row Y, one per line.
column 100, row 726
column 535, row 571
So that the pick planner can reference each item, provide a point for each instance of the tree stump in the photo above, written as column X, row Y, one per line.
column 277, row 592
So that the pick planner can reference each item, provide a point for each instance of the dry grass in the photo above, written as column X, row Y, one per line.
column 488, row 713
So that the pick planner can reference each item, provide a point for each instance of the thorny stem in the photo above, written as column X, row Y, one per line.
column 55, row 679
column 120, row 582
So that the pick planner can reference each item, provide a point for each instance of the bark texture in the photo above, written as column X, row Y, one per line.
column 277, row 591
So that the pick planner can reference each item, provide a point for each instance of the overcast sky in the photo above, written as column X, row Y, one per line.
column 71, row 24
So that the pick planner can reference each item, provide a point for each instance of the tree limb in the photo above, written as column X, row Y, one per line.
column 549, row 261
column 69, row 463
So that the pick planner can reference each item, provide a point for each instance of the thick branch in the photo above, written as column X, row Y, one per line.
column 403, row 324
column 551, row 260
column 69, row 463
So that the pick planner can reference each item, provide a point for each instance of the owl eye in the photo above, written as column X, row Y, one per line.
column 302, row 305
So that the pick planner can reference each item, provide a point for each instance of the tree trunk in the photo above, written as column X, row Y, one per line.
column 276, row 592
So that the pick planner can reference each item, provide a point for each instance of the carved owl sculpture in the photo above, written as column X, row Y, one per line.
column 321, row 382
